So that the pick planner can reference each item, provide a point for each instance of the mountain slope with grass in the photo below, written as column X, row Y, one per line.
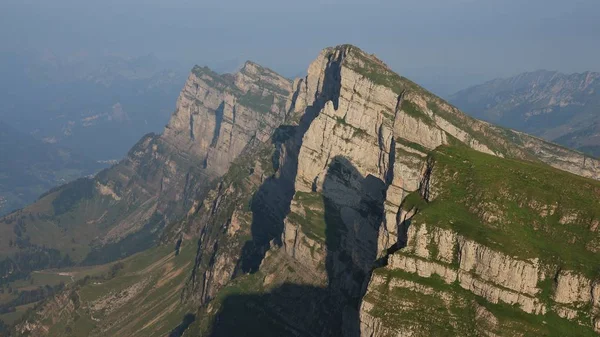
column 371, row 203
column 29, row 167
column 129, row 207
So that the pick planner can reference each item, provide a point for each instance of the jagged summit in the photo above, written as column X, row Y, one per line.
column 313, row 186
column 251, row 67
column 250, row 77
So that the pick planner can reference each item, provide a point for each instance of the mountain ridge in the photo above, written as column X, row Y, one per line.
column 552, row 105
column 318, row 201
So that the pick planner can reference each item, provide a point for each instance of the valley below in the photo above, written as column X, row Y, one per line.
column 348, row 202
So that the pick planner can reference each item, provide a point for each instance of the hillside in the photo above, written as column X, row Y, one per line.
column 29, row 167
column 309, row 228
column 492, row 247
column 558, row 107
column 124, row 209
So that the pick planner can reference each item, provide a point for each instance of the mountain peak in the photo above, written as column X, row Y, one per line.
column 303, row 194
column 352, row 52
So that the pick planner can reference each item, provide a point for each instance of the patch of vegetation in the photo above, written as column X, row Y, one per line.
column 152, row 278
column 317, row 223
column 428, row 314
column 131, row 244
column 378, row 73
column 257, row 102
column 30, row 296
column 414, row 201
column 464, row 122
column 71, row 194
column 388, row 114
column 21, row 264
column 212, row 78
column 359, row 133
column 547, row 287
column 404, row 307
column 341, row 121
column 272, row 88
column 414, row 111
column 412, row 145
column 515, row 207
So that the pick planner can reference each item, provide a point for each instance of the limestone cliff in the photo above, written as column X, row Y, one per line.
column 355, row 147
column 124, row 209
column 316, row 229
column 491, row 254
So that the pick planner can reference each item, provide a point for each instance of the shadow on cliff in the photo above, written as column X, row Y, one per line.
column 271, row 203
column 353, row 212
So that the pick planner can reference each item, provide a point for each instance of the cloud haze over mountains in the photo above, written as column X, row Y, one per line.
column 446, row 45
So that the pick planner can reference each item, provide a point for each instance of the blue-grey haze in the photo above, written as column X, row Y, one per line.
column 443, row 44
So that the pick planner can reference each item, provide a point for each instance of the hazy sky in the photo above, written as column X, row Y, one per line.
column 443, row 44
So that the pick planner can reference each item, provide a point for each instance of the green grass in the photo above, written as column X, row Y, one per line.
column 257, row 102
column 154, row 309
column 11, row 317
column 414, row 111
column 412, row 145
column 413, row 201
column 465, row 122
column 436, row 317
column 42, row 278
column 313, row 223
column 473, row 184
column 379, row 73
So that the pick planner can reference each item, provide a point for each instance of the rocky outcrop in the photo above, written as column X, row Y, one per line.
column 560, row 157
column 59, row 307
column 124, row 209
column 459, row 262
column 314, row 224
column 349, row 130
column 217, row 115
column 475, row 267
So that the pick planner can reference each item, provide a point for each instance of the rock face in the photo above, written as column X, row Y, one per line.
column 124, row 209
column 558, row 107
column 218, row 115
column 361, row 211
column 468, row 249
column 355, row 146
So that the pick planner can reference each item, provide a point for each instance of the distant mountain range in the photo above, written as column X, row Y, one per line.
column 563, row 108
column 29, row 167
column 62, row 115
column 98, row 105
column 348, row 202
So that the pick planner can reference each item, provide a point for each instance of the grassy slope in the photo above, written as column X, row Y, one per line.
column 143, row 299
column 541, row 212
column 448, row 310
column 474, row 186
column 29, row 167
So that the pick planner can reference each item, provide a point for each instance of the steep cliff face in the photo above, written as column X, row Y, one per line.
column 124, row 209
column 555, row 106
column 218, row 115
column 355, row 147
column 316, row 229
column 499, row 247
